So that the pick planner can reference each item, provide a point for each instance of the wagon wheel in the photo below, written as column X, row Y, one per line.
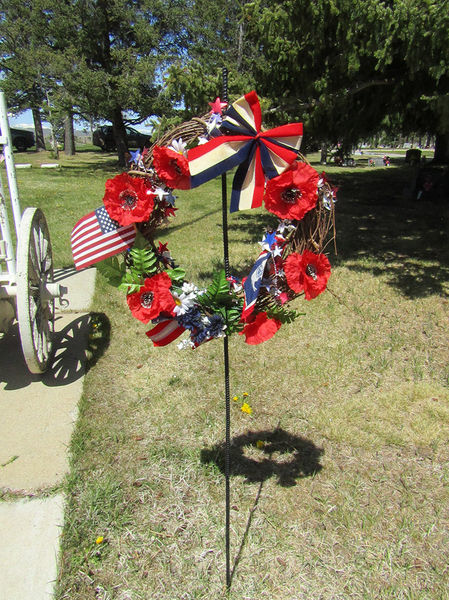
column 35, row 302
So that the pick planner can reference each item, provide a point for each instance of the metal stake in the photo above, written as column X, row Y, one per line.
column 226, row 362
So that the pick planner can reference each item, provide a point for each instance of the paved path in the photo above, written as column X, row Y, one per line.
column 37, row 415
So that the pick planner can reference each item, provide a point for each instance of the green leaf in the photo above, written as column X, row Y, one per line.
column 284, row 315
column 144, row 260
column 176, row 274
column 218, row 293
column 131, row 282
column 112, row 269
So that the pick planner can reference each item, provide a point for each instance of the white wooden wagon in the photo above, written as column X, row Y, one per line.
column 27, row 289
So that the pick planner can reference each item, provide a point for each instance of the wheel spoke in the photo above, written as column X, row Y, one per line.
column 46, row 331
column 33, row 260
column 46, row 261
column 34, row 304
column 43, row 251
column 35, row 249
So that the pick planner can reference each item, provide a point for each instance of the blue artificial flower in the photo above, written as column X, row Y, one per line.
column 191, row 319
column 200, row 336
column 215, row 325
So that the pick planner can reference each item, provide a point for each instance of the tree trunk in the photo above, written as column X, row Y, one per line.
column 38, row 131
column 91, row 125
column 54, row 143
column 69, row 136
column 441, row 154
column 240, row 48
column 120, row 136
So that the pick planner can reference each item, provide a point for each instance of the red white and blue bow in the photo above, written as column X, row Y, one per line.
column 259, row 155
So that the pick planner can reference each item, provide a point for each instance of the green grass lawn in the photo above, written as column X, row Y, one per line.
column 340, row 478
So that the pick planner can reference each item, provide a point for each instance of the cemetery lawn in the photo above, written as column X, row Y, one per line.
column 340, row 476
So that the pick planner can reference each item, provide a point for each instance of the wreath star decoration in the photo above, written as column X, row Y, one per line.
column 270, row 171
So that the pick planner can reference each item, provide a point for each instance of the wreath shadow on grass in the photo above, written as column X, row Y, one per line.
column 259, row 455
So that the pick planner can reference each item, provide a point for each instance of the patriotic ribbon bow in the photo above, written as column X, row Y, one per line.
column 259, row 155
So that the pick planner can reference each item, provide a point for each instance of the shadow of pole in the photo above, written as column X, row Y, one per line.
column 245, row 534
column 259, row 455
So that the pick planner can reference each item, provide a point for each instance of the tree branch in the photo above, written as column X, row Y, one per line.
column 291, row 103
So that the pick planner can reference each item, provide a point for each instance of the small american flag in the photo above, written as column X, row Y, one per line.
column 165, row 332
column 96, row 237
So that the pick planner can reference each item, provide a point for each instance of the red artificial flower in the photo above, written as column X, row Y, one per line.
column 260, row 328
column 172, row 168
column 152, row 299
column 307, row 272
column 128, row 199
column 293, row 193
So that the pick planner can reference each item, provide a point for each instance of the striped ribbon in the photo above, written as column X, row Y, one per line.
column 259, row 155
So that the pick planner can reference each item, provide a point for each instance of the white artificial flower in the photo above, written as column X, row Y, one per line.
column 187, row 343
column 186, row 299
column 179, row 146
column 189, row 288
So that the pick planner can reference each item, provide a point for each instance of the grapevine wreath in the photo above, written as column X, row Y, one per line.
column 270, row 171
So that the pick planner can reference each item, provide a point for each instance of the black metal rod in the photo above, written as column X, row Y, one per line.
column 224, row 195
column 224, row 191
column 227, row 465
column 224, row 203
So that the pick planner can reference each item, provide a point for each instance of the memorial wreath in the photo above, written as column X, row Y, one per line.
column 270, row 171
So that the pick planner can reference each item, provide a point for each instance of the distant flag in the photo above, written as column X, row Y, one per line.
column 165, row 332
column 96, row 237
column 259, row 155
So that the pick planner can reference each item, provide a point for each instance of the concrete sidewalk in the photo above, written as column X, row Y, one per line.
column 37, row 419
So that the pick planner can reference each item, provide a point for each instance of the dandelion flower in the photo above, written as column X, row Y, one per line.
column 245, row 394
column 235, row 398
column 99, row 540
column 246, row 408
